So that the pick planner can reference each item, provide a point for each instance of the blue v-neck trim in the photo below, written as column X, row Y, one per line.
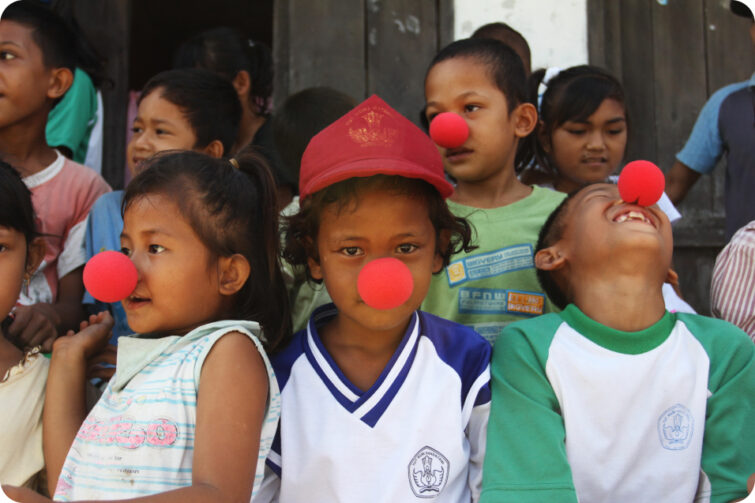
column 372, row 416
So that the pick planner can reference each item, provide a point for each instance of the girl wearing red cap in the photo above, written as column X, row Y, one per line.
column 380, row 402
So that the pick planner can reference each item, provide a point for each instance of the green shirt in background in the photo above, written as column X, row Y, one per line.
column 496, row 283
column 71, row 121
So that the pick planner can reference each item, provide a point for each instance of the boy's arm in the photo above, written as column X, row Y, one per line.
column 525, row 457
column 728, row 457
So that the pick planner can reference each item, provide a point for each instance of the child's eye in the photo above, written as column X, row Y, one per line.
column 125, row 251
column 156, row 248
column 576, row 131
column 3, row 248
column 406, row 248
column 7, row 55
column 351, row 251
column 615, row 131
column 162, row 131
column 471, row 108
column 431, row 116
column 136, row 130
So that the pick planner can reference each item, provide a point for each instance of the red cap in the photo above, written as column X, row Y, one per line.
column 372, row 139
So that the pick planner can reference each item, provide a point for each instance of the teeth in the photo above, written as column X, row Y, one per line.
column 632, row 215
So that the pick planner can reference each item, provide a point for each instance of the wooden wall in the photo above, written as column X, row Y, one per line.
column 670, row 58
column 360, row 47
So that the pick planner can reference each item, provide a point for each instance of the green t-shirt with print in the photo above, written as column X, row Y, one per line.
column 496, row 283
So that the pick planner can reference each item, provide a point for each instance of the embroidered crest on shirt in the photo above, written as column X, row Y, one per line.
column 428, row 473
column 675, row 428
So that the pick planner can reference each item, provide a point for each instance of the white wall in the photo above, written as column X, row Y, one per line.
column 556, row 30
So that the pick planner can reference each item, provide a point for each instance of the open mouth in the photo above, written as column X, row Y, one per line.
column 633, row 216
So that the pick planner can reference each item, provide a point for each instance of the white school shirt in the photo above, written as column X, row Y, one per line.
column 418, row 433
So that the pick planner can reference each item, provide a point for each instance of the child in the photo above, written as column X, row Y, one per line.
column 193, row 399
column 36, row 69
column 378, row 404
column 581, row 138
column 178, row 110
column 616, row 399
column 509, row 36
column 483, row 81
column 300, row 118
column 22, row 375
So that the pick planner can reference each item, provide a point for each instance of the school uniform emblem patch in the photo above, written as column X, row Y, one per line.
column 675, row 428
column 428, row 473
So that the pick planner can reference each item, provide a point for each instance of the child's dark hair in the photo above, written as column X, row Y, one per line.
column 550, row 233
column 226, row 51
column 505, row 69
column 232, row 210
column 507, row 35
column 572, row 95
column 208, row 101
column 302, row 229
column 16, row 209
column 301, row 117
column 51, row 34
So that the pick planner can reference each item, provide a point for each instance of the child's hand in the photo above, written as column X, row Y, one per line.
column 750, row 484
column 91, row 338
column 33, row 326
column 21, row 494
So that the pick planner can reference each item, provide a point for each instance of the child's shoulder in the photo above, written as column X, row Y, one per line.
column 82, row 175
column 109, row 202
column 452, row 341
column 718, row 336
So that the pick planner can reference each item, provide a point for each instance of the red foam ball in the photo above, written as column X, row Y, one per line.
column 641, row 182
column 385, row 283
column 449, row 130
column 110, row 276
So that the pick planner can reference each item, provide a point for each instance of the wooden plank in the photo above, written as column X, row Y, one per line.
column 604, row 35
column 402, row 40
column 637, row 76
column 106, row 25
column 327, row 45
column 445, row 23
column 281, row 52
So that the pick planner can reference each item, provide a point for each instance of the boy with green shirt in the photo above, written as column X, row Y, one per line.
column 614, row 398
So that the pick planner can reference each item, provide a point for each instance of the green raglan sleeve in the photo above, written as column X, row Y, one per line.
column 525, row 457
column 729, row 439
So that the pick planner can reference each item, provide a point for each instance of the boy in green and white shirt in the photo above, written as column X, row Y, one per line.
column 616, row 399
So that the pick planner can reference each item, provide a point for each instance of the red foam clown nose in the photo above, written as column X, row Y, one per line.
column 110, row 276
column 449, row 130
column 641, row 182
column 385, row 283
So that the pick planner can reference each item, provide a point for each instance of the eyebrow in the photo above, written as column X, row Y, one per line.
column 609, row 121
column 148, row 232
column 465, row 94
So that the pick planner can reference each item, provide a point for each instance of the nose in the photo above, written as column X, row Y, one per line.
column 449, row 130
column 596, row 141
column 110, row 276
column 385, row 283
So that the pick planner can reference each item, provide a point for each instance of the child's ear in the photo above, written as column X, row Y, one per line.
column 214, row 149
column 233, row 272
column 242, row 82
column 60, row 81
column 315, row 270
column 525, row 119
column 550, row 259
column 37, row 250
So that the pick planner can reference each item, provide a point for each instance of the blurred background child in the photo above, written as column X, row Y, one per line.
column 581, row 138
column 37, row 70
column 193, row 405
column 188, row 109
column 22, row 373
column 483, row 80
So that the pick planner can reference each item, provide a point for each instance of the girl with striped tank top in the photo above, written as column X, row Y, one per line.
column 193, row 406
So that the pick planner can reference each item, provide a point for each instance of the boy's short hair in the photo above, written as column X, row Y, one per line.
column 207, row 100
column 51, row 34
column 550, row 233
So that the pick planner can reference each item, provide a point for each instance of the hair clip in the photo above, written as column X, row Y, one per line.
column 234, row 162
column 550, row 73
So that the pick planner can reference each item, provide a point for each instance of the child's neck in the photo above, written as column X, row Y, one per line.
column 24, row 148
column 360, row 353
column 502, row 189
column 248, row 127
column 625, row 299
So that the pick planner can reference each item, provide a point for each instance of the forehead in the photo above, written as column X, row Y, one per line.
column 155, row 105
column 458, row 75
column 374, row 208
column 19, row 34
